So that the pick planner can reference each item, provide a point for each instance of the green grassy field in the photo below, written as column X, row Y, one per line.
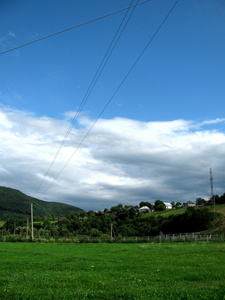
column 112, row 271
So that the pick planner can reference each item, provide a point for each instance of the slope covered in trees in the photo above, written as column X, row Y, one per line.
column 121, row 221
column 14, row 204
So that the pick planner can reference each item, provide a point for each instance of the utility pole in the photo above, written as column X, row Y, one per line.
column 27, row 227
column 212, row 192
column 14, row 231
column 111, row 231
column 32, row 225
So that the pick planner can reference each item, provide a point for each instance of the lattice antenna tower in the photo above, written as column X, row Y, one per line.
column 212, row 192
column 211, row 180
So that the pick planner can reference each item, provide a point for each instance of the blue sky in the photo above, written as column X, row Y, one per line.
column 178, row 80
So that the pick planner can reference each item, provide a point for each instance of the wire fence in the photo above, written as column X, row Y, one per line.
column 178, row 237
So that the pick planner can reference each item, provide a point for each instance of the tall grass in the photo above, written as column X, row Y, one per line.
column 112, row 271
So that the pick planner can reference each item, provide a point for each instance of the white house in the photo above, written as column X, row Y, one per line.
column 190, row 204
column 168, row 205
column 144, row 209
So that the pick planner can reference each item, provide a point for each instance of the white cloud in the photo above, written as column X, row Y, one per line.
column 121, row 161
column 210, row 122
column 12, row 34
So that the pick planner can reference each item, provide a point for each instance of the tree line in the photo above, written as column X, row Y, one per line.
column 119, row 221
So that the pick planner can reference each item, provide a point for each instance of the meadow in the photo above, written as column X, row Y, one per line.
column 112, row 271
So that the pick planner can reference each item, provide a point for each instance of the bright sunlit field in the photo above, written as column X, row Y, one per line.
column 112, row 271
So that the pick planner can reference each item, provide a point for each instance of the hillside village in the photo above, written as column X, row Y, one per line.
column 148, row 207
column 145, row 219
column 125, row 221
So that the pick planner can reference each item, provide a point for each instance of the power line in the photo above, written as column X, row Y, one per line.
column 73, row 27
column 116, row 91
column 92, row 85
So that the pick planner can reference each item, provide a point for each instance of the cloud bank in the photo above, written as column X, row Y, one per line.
column 120, row 161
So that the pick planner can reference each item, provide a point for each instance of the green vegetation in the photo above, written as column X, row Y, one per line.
column 122, row 220
column 165, row 213
column 16, row 205
column 112, row 271
column 220, row 208
column 125, row 221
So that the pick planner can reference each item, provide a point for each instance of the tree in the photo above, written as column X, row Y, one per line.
column 178, row 205
column 46, row 223
column 159, row 205
column 117, row 208
column 222, row 199
column 9, row 225
column 132, row 213
column 173, row 204
column 217, row 199
column 95, row 232
column 200, row 201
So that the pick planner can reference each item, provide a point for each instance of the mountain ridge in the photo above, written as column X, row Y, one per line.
column 15, row 204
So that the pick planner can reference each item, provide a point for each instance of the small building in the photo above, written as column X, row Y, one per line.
column 168, row 205
column 144, row 209
column 207, row 200
column 190, row 204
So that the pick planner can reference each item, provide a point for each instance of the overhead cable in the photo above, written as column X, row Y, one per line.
column 73, row 27
column 92, row 84
column 116, row 91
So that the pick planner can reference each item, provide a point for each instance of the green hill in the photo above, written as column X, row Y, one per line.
column 14, row 204
column 220, row 208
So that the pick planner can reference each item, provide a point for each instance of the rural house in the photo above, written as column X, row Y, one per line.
column 144, row 209
column 168, row 205
column 190, row 204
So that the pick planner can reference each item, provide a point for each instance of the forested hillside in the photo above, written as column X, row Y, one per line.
column 16, row 205
column 120, row 222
